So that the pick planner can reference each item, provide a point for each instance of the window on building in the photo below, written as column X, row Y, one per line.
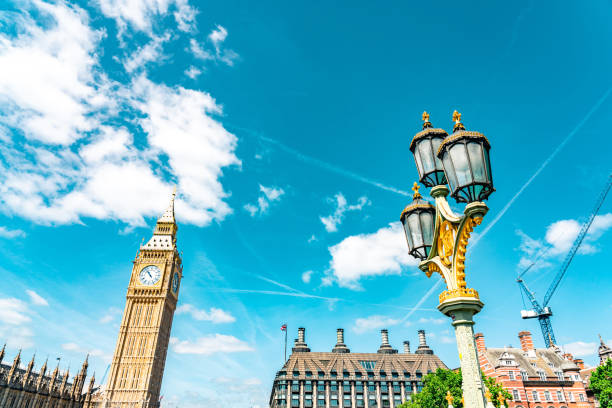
column 333, row 386
column 419, row 374
column 296, row 373
column 524, row 375
column 383, row 374
column 515, row 395
column 394, row 374
column 542, row 375
column 321, row 374
column 571, row 396
column 308, row 373
column 560, row 396
column 321, row 402
column 308, row 386
column 371, row 387
column 346, row 387
column 560, row 375
column 511, row 375
column 384, row 388
column 295, row 386
column 547, row 396
column 368, row 365
column 371, row 402
column 358, row 387
column 358, row 374
column 345, row 374
column 406, row 374
column 370, row 374
column 320, row 387
column 536, row 396
column 334, row 374
column 581, row 397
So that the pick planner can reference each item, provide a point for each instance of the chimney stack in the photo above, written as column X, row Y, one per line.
column 385, row 347
column 300, row 343
column 580, row 363
column 423, row 347
column 406, row 347
column 480, row 342
column 340, row 346
column 526, row 341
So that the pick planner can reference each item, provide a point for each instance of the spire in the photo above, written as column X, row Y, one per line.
column 168, row 215
column 31, row 364
column 17, row 359
column 458, row 124
column 4, row 349
column 426, row 122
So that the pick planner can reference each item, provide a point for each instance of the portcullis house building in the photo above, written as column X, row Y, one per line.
column 341, row 378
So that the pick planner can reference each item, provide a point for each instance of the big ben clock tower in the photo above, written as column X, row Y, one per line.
column 140, row 355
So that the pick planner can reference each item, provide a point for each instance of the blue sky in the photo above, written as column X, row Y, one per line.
column 286, row 128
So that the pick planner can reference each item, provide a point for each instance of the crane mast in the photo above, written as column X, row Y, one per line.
column 543, row 312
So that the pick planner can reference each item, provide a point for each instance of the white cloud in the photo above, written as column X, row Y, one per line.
column 140, row 14
column 306, row 276
column 383, row 252
column 432, row 320
column 36, row 299
column 217, row 343
column 364, row 324
column 198, row 50
column 73, row 165
column 14, row 312
column 151, row 52
column 217, row 38
column 558, row 240
column 332, row 221
column 193, row 72
column 14, row 318
column 447, row 340
column 111, row 314
column 312, row 238
column 214, row 315
column 580, row 348
column 47, row 84
column 9, row 233
column 267, row 196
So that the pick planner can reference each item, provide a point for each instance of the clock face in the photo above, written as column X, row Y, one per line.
column 149, row 275
column 175, row 282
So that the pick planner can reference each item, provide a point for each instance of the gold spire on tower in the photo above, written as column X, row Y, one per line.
column 426, row 122
column 457, row 119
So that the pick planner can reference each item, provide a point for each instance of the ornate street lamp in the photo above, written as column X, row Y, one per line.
column 424, row 147
column 418, row 221
column 465, row 158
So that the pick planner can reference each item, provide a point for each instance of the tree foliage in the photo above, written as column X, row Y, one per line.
column 601, row 384
column 437, row 384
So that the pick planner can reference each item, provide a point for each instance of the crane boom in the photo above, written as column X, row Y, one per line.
column 577, row 242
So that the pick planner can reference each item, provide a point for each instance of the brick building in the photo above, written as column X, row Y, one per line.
column 341, row 378
column 536, row 378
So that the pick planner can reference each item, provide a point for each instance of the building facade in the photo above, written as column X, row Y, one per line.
column 137, row 368
column 536, row 378
column 341, row 378
column 26, row 388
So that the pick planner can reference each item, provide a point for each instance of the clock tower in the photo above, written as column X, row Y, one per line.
column 137, row 367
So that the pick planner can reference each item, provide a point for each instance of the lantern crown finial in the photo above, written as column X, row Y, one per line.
column 415, row 188
column 426, row 122
column 449, row 397
column 457, row 119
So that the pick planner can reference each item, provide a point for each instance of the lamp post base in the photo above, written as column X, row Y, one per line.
column 462, row 310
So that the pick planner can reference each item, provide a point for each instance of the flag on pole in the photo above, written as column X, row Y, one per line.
column 284, row 327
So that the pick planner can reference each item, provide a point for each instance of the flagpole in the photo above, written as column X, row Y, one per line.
column 285, row 346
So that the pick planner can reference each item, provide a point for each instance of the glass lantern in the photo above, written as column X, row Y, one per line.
column 418, row 221
column 424, row 147
column 465, row 157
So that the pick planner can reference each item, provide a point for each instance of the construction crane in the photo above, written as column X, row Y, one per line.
column 543, row 312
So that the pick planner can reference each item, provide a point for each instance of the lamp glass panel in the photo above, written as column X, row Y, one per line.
column 460, row 162
column 408, row 234
column 415, row 229
column 427, row 157
column 428, row 228
column 477, row 161
column 449, row 170
column 488, row 161
column 419, row 163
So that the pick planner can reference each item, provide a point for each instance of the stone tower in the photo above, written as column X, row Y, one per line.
column 137, row 367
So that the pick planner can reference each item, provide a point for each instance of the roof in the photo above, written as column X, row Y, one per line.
column 352, row 362
column 546, row 360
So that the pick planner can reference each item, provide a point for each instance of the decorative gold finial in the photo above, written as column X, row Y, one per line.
column 457, row 119
column 456, row 116
column 488, row 395
column 449, row 398
column 425, row 116
column 415, row 188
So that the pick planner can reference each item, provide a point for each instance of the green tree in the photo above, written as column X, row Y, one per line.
column 438, row 383
column 601, row 384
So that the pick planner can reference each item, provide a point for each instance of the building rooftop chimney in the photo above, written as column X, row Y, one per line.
column 300, row 345
column 526, row 343
column 480, row 342
column 423, row 347
column 406, row 347
column 340, row 346
column 385, row 347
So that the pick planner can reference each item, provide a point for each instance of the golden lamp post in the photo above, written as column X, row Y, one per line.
column 438, row 237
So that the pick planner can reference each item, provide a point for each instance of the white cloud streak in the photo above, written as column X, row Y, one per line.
column 268, row 195
column 36, row 299
column 216, row 343
column 331, row 222
column 10, row 233
column 214, row 315
column 365, row 324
